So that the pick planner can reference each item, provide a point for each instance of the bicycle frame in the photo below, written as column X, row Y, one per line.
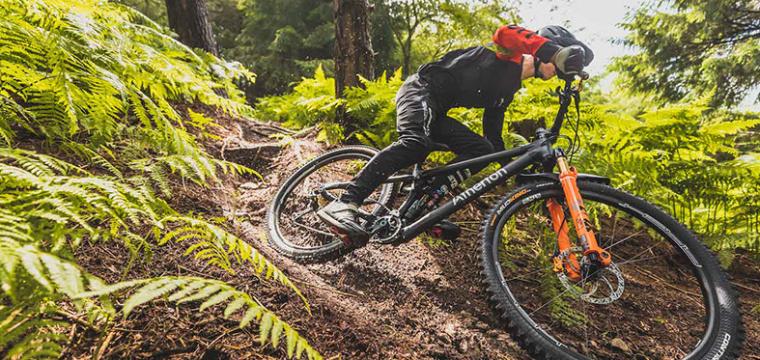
column 535, row 152
column 540, row 152
column 515, row 160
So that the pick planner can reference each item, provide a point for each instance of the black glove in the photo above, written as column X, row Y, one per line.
column 569, row 60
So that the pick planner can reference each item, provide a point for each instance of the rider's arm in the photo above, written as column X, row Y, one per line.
column 515, row 41
column 493, row 123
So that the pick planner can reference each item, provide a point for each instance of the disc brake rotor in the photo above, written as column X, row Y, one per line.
column 603, row 287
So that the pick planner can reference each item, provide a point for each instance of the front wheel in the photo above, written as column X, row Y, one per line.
column 664, row 297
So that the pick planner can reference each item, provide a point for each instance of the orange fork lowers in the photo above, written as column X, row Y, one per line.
column 568, row 178
column 572, row 268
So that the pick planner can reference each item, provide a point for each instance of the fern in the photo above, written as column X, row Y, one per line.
column 218, row 247
column 199, row 170
column 28, row 332
column 98, row 81
column 212, row 293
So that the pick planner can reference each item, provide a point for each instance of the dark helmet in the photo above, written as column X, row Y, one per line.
column 562, row 37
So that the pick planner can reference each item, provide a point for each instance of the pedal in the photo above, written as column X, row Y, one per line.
column 356, row 242
column 445, row 230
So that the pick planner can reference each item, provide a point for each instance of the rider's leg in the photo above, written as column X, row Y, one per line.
column 414, row 117
column 415, row 113
column 462, row 141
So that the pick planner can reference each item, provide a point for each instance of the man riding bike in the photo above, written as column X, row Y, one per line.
column 476, row 77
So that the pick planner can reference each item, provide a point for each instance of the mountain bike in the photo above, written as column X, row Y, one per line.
column 576, row 268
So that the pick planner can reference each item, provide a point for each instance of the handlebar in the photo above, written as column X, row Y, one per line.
column 566, row 95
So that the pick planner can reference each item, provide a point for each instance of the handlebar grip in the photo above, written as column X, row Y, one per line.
column 584, row 75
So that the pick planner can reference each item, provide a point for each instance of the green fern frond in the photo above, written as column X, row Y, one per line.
column 218, row 247
column 199, row 169
column 26, row 333
column 211, row 293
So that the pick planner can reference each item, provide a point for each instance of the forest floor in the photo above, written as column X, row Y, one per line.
column 413, row 301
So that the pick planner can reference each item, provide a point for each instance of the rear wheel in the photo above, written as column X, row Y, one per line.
column 665, row 297
column 294, row 228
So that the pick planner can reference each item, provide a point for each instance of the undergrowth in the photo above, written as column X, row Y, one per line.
column 91, row 143
column 700, row 164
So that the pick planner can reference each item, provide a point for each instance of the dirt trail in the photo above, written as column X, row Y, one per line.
column 413, row 301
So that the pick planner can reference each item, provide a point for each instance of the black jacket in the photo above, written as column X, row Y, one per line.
column 475, row 78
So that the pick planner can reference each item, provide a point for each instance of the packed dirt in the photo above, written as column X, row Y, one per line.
column 418, row 300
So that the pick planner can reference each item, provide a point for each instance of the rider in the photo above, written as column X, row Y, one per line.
column 476, row 77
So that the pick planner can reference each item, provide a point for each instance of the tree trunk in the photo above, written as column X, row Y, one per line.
column 406, row 54
column 353, row 48
column 189, row 19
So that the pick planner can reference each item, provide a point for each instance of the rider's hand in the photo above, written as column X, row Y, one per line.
column 569, row 60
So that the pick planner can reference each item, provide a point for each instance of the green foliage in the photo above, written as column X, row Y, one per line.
column 45, row 214
column 71, row 66
column 218, row 247
column 283, row 39
column 28, row 332
column 95, row 82
column 185, row 289
column 708, row 46
column 689, row 161
column 311, row 101
column 699, row 164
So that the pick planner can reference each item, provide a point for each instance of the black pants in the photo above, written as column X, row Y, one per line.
column 420, row 124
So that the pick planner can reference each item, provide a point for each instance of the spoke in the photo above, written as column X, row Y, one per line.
column 628, row 262
column 549, row 302
column 301, row 214
column 624, row 239
column 307, row 227
column 585, row 317
column 529, row 274
column 637, row 255
column 556, row 297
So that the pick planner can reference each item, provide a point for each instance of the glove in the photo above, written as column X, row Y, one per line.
column 569, row 60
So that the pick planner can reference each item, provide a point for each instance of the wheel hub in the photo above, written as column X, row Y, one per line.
column 599, row 285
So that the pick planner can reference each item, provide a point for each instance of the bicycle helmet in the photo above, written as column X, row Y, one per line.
column 562, row 37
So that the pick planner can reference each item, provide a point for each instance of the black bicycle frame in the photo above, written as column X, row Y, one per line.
column 539, row 151
column 536, row 152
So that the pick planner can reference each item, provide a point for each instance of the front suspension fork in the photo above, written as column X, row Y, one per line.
column 568, row 178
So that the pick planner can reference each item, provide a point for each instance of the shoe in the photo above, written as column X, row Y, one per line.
column 342, row 216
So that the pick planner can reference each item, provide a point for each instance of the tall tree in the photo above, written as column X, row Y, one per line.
column 189, row 19
column 353, row 47
column 702, row 46
column 409, row 16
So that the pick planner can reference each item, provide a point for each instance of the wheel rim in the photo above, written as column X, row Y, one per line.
column 656, row 272
column 295, row 219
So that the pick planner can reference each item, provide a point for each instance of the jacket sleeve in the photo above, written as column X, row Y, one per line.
column 493, row 123
column 516, row 41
